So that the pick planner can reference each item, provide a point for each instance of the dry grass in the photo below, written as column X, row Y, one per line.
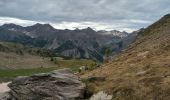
column 14, row 61
column 137, row 75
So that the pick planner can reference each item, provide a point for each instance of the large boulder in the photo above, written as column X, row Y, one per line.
column 55, row 85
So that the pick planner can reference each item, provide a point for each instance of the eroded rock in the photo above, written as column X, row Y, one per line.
column 56, row 85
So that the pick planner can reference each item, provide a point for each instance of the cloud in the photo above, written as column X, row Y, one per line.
column 67, row 25
column 7, row 20
column 125, row 14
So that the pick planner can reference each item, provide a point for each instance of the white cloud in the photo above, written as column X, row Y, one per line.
column 117, row 14
column 70, row 25
column 7, row 20
column 137, row 21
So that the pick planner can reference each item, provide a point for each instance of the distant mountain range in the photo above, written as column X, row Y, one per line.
column 78, row 43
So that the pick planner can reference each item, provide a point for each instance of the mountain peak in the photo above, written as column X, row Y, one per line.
column 159, row 27
column 11, row 25
column 88, row 30
column 42, row 26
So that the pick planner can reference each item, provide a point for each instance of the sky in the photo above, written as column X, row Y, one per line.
column 122, row 15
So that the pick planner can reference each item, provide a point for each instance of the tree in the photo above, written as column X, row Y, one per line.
column 51, row 59
column 108, row 52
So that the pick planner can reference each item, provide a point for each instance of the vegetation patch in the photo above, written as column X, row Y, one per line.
column 8, row 74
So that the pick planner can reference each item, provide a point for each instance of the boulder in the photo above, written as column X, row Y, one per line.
column 55, row 85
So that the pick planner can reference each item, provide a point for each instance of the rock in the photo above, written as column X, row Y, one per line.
column 143, row 54
column 4, row 89
column 141, row 73
column 5, row 96
column 95, row 78
column 83, row 69
column 101, row 96
column 55, row 85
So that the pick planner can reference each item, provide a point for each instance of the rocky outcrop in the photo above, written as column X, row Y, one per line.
column 55, row 85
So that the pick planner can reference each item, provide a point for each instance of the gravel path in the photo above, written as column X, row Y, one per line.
column 4, row 87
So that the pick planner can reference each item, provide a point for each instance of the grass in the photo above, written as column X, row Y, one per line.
column 8, row 74
column 135, row 74
column 74, row 64
column 13, row 64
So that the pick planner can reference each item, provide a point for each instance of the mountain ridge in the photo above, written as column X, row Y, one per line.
column 142, row 70
column 86, row 43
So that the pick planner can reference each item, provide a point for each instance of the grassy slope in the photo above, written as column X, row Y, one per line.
column 13, row 64
column 74, row 64
column 142, row 72
column 8, row 74
column 15, row 61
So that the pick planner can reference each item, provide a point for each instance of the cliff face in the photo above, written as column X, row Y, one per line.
column 142, row 71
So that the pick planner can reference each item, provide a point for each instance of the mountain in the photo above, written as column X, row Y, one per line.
column 78, row 43
column 115, row 33
column 141, row 72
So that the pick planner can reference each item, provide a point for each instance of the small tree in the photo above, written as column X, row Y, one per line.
column 51, row 59
column 108, row 52
column 19, row 52
column 55, row 61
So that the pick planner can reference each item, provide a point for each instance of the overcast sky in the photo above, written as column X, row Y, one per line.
column 122, row 15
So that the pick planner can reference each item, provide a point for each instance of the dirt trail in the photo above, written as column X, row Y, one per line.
column 4, row 87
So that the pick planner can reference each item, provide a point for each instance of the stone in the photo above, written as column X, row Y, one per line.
column 143, row 54
column 5, row 96
column 101, row 96
column 56, row 85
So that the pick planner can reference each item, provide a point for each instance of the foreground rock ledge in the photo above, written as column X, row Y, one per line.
column 56, row 85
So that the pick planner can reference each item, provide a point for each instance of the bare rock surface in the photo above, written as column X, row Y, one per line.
column 56, row 85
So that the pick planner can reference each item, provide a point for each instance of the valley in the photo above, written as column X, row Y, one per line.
column 18, row 60
column 84, row 50
column 42, row 48
column 79, row 43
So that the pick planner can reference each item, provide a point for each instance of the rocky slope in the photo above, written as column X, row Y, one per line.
column 142, row 71
column 84, row 43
